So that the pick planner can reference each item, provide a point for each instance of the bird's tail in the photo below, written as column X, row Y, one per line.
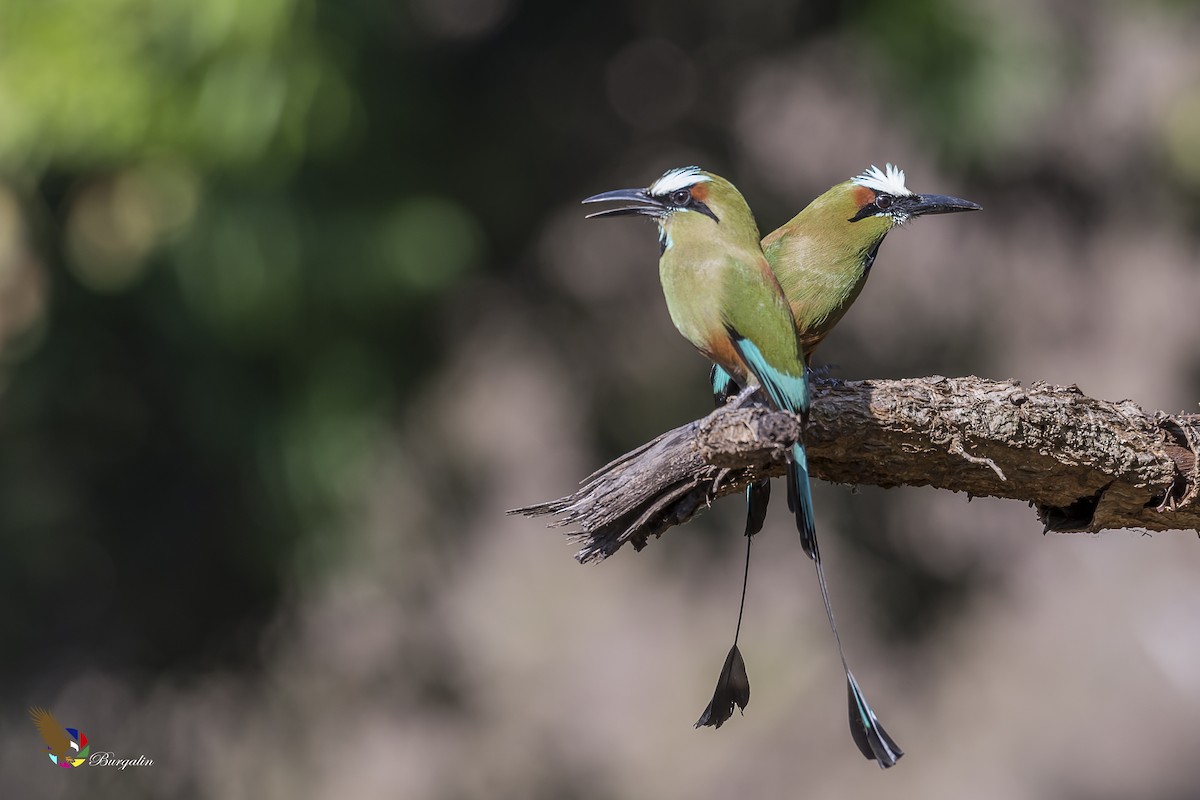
column 872, row 740
column 800, row 501
column 758, row 497
column 758, row 494
column 733, row 684
column 723, row 385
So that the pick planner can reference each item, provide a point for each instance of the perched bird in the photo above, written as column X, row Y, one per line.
column 822, row 258
column 824, row 254
column 724, row 298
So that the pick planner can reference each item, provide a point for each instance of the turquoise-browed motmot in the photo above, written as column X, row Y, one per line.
column 822, row 258
column 724, row 298
column 823, row 255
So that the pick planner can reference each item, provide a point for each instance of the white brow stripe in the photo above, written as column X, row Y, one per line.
column 678, row 178
column 890, row 181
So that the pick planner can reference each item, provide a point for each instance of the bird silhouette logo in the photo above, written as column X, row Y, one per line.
column 68, row 747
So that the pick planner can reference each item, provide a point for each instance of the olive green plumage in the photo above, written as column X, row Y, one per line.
column 757, row 310
column 823, row 255
column 822, row 260
column 724, row 298
column 716, row 279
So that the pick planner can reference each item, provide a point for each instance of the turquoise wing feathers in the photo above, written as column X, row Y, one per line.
column 790, row 392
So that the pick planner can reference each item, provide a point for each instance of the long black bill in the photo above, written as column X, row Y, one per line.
column 635, row 201
column 921, row 204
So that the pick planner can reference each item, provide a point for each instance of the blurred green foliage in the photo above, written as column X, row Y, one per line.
column 222, row 84
column 219, row 308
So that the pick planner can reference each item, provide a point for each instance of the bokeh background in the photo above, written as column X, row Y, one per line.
column 296, row 299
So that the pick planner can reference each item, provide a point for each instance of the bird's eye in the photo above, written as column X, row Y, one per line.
column 883, row 201
column 681, row 197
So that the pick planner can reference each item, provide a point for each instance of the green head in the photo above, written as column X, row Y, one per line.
column 881, row 194
column 824, row 254
column 688, row 204
column 862, row 210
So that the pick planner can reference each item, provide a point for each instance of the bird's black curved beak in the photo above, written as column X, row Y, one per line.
column 919, row 205
column 635, row 201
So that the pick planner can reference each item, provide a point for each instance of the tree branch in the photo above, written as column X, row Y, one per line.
column 1085, row 465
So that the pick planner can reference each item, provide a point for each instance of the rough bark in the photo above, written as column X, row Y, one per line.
column 1085, row 465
